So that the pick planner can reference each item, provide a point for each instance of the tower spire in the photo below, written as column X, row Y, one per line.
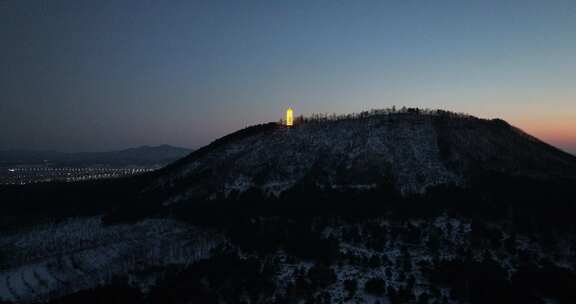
column 289, row 117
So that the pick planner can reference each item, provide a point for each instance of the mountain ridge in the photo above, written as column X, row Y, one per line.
column 142, row 155
column 411, row 149
column 493, row 225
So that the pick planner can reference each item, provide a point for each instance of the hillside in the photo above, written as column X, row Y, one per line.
column 412, row 151
column 380, row 207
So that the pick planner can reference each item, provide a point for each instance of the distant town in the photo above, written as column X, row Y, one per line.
column 27, row 175
column 26, row 167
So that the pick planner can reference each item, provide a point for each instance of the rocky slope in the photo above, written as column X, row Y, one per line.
column 413, row 150
column 53, row 260
column 506, row 239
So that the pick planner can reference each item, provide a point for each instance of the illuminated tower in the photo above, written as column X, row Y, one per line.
column 289, row 117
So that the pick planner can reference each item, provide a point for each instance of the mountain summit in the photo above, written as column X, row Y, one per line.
column 411, row 150
column 391, row 205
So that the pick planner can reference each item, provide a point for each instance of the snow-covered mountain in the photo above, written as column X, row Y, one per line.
column 58, row 259
column 413, row 150
column 406, row 206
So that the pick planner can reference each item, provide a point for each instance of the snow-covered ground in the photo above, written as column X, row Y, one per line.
column 453, row 234
column 412, row 151
column 81, row 253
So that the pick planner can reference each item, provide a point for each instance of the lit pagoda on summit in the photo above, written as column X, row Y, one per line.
column 289, row 117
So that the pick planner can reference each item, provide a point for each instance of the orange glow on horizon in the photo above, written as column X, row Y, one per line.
column 560, row 133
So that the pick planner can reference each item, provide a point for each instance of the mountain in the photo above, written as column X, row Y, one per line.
column 140, row 156
column 409, row 206
column 412, row 151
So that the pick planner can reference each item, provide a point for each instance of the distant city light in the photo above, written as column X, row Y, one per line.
column 27, row 175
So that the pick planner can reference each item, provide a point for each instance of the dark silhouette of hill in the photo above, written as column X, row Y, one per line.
column 411, row 151
column 140, row 156
column 409, row 206
column 379, row 160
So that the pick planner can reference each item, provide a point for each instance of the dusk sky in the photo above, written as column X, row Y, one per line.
column 109, row 74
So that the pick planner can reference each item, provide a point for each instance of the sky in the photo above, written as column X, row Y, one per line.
column 101, row 75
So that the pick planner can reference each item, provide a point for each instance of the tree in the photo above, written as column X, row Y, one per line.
column 374, row 261
column 388, row 272
column 375, row 286
column 321, row 275
column 300, row 289
column 424, row 298
column 351, row 286
column 411, row 282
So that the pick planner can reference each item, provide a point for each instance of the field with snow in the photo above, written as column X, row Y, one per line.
column 62, row 258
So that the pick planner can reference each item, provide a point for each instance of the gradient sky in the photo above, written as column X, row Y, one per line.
column 109, row 74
